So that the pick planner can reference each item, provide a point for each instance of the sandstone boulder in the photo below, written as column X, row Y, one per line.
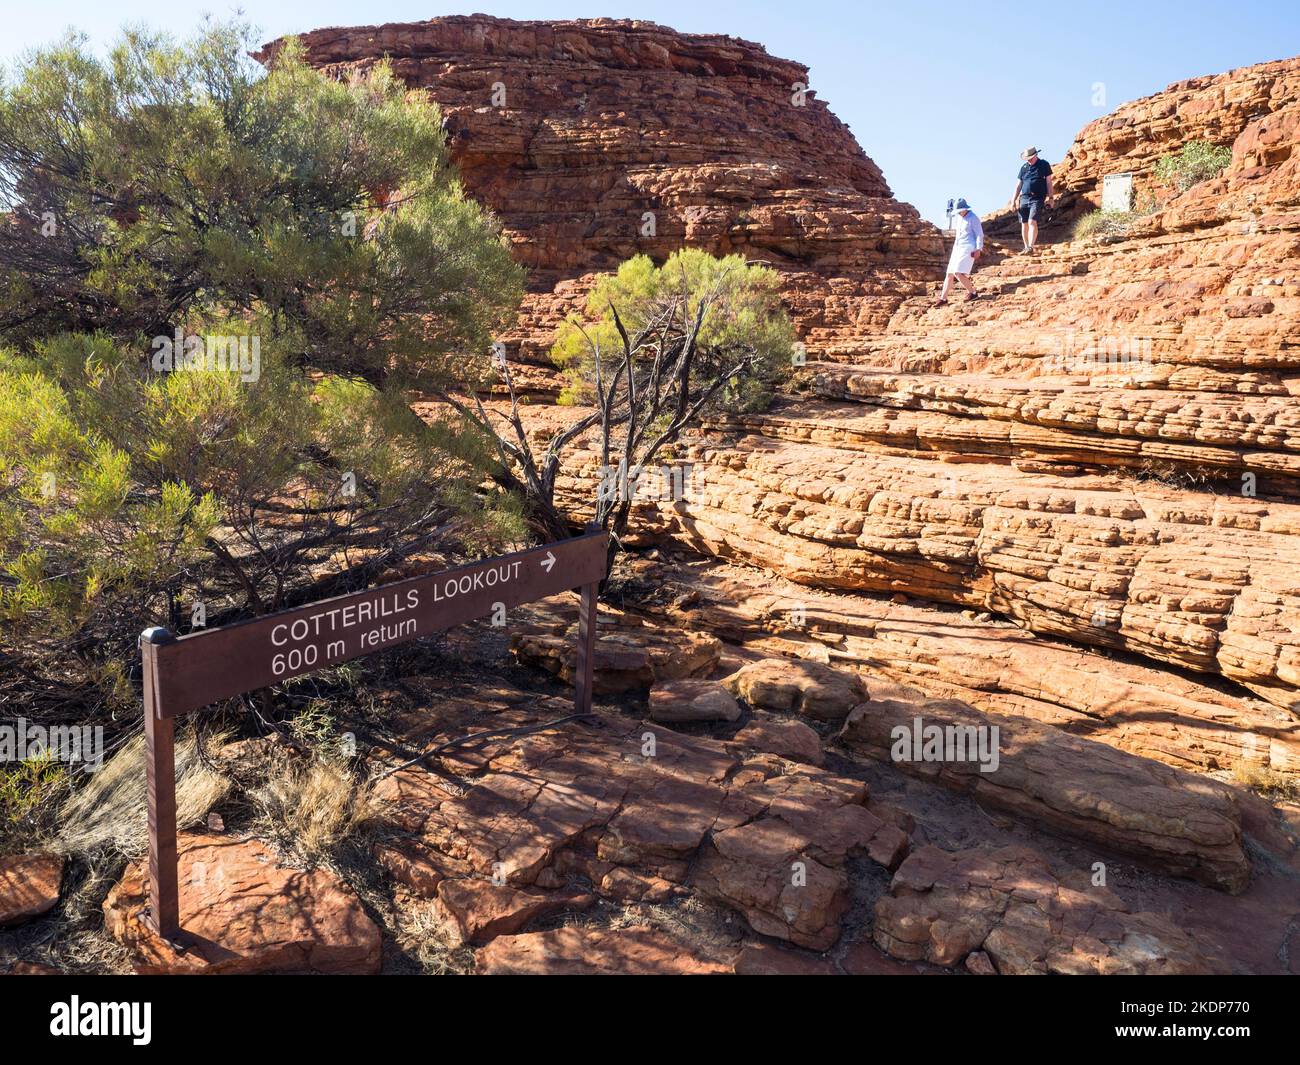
column 630, row 655
column 1170, row 820
column 692, row 700
column 479, row 910
column 785, row 739
column 243, row 912
column 785, row 870
column 809, row 688
column 29, row 886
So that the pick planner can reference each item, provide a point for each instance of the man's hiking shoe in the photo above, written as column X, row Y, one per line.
column 941, row 302
column 972, row 296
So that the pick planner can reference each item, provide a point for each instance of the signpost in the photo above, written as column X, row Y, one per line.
column 186, row 673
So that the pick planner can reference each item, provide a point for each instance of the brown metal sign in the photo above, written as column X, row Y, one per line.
column 206, row 667
column 189, row 672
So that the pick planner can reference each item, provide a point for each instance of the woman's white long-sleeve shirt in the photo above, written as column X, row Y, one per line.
column 970, row 233
column 970, row 239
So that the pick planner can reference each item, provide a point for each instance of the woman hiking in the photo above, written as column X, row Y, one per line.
column 969, row 245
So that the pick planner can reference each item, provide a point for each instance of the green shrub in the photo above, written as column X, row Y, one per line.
column 178, row 189
column 24, row 786
column 127, row 496
column 743, row 313
column 174, row 179
column 1197, row 161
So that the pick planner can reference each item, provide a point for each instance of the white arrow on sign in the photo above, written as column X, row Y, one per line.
column 548, row 561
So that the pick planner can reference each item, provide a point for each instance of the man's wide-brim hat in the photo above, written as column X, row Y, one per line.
column 962, row 205
column 1028, row 152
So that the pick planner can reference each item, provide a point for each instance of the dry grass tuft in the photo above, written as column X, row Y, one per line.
column 422, row 933
column 108, row 813
column 1266, row 782
column 314, row 807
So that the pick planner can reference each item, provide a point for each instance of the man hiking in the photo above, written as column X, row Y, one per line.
column 967, row 248
column 1033, row 190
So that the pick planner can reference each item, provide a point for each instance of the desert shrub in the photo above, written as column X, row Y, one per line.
column 1268, row 782
column 659, row 350
column 1197, row 161
column 739, row 312
column 129, row 497
column 24, row 786
column 173, row 179
column 175, row 191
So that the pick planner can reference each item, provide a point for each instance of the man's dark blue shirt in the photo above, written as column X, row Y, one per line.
column 1033, row 179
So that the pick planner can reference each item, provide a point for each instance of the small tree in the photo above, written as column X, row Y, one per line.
column 175, row 193
column 660, row 350
column 178, row 179
column 191, row 498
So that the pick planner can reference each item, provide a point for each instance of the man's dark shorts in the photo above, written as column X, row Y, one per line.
column 1029, row 210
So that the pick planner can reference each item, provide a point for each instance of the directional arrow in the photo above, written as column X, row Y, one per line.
column 548, row 561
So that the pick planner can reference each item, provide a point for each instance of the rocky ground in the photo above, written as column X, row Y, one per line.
column 728, row 808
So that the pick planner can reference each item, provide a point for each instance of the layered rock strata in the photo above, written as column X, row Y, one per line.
column 597, row 139
column 1176, row 822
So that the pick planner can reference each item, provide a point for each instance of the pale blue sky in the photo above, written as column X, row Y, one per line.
column 942, row 96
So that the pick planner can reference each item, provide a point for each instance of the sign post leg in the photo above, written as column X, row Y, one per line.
column 586, row 649
column 160, row 776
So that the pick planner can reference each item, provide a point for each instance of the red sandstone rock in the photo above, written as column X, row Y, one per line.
column 692, row 700
column 29, row 886
column 244, row 913
column 995, row 666
column 785, row 871
column 798, row 686
column 786, row 739
column 605, row 120
column 637, row 818
column 419, row 869
column 1217, row 108
column 479, row 910
column 630, row 655
column 635, row 951
column 1173, row 821
column 625, row 885
column 944, row 907
column 766, row 959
